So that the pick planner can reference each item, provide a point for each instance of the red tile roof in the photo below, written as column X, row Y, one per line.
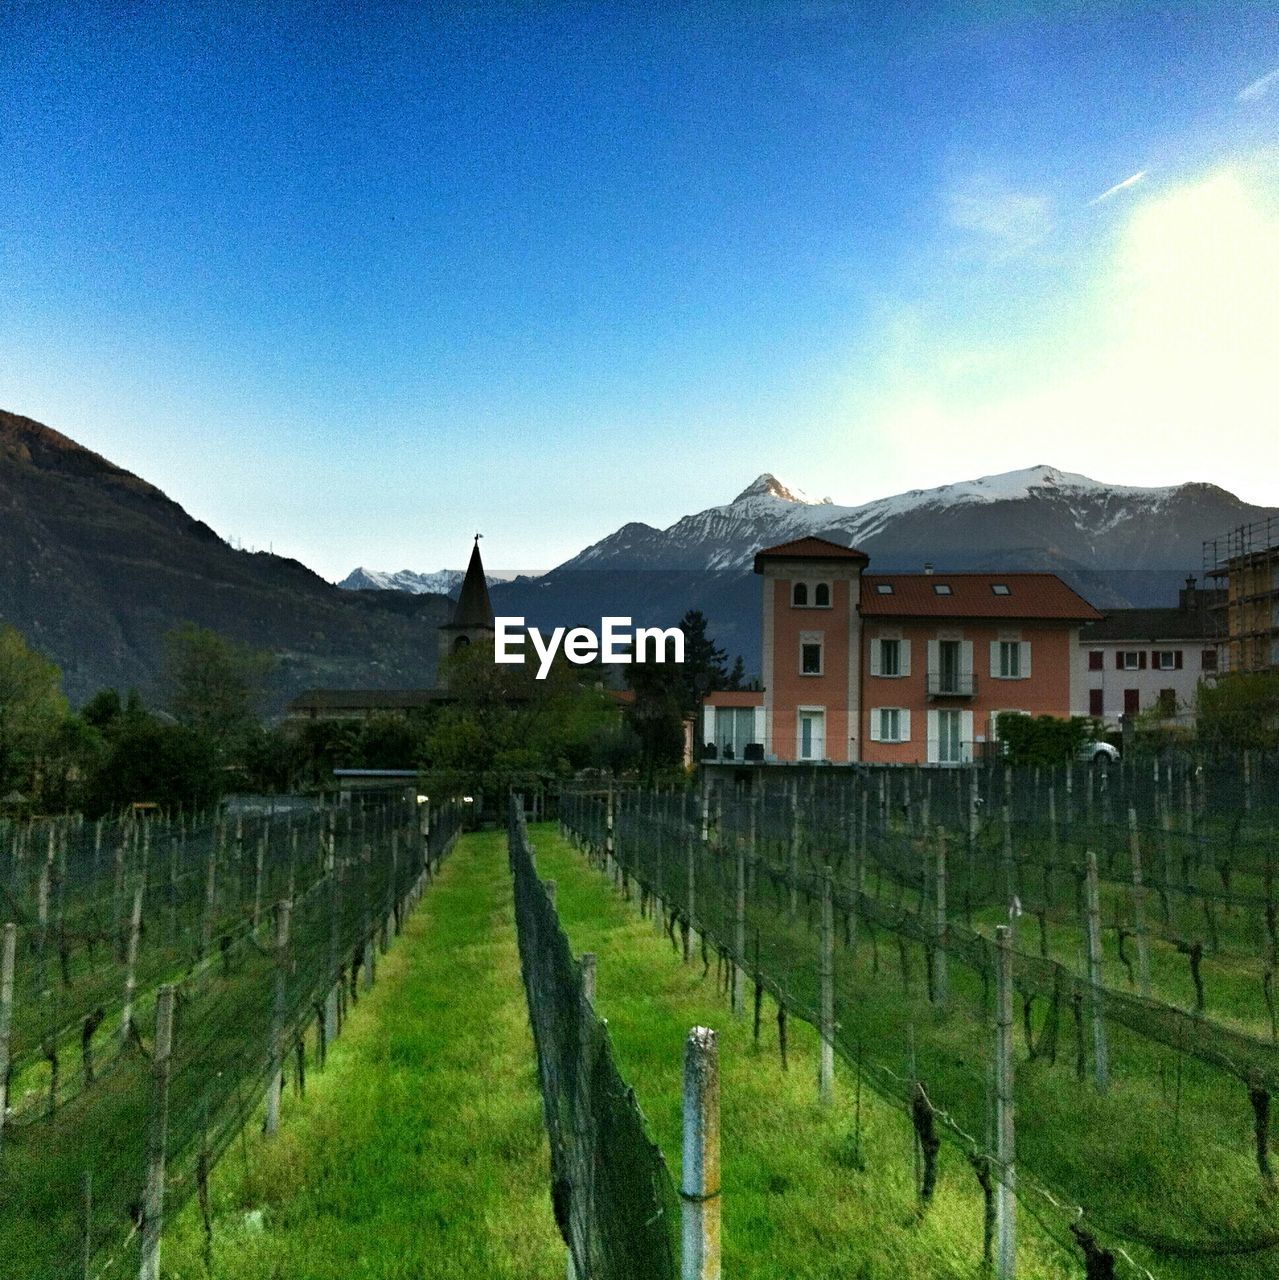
column 810, row 549
column 1030, row 595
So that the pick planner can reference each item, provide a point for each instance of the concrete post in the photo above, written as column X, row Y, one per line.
column 739, row 934
column 157, row 1136
column 1101, row 1066
column 699, row 1180
column 826, row 1063
column 939, row 923
column 131, row 967
column 1138, row 905
column 8, row 950
column 276, row 1086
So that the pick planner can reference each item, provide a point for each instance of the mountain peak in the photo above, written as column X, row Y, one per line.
column 768, row 485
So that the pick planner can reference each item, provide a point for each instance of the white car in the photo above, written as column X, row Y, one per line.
column 1098, row 753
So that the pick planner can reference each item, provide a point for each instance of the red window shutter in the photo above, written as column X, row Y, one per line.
column 1119, row 660
column 1094, row 660
column 1177, row 661
column 1141, row 661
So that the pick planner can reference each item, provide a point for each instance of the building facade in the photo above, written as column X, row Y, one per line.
column 1141, row 660
column 901, row 668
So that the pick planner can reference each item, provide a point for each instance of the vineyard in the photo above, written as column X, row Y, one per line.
column 1115, row 1086
column 162, row 977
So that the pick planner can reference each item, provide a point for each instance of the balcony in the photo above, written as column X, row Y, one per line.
column 950, row 684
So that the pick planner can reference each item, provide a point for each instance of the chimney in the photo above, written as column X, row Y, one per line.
column 1189, row 595
column 928, row 568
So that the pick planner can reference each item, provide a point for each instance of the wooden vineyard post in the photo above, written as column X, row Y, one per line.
column 8, row 949
column 739, row 934
column 608, row 834
column 1005, row 1138
column 1138, row 905
column 131, row 967
column 691, row 901
column 826, row 1064
column 335, row 925
column 939, row 923
column 369, row 950
column 276, row 1086
column 210, row 894
column 699, row 1174
column 1010, row 865
column 1101, row 1066
column 793, row 858
column 157, row 1136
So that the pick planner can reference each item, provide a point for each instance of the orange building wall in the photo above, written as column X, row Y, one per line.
column 1045, row 692
column 792, row 690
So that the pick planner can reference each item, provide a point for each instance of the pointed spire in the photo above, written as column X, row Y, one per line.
column 473, row 606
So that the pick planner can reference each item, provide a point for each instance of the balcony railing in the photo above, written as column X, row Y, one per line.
column 950, row 685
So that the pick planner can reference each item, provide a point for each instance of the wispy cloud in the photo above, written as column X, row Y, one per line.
column 1120, row 186
column 1009, row 221
column 1260, row 87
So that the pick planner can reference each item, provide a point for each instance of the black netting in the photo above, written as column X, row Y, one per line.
column 249, row 988
column 1171, row 1156
column 614, row 1201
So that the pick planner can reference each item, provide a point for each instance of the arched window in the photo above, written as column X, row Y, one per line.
column 799, row 595
column 821, row 595
column 460, row 643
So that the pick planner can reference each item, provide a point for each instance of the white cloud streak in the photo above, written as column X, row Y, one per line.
column 1259, row 87
column 1120, row 186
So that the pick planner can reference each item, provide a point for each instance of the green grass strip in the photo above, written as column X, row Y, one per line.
column 419, row 1151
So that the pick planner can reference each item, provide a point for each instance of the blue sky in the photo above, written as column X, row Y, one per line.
column 353, row 286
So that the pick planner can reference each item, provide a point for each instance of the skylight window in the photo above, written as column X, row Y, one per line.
column 1000, row 588
column 884, row 588
column 942, row 588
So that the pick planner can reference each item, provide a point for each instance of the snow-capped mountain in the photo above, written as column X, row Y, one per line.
column 1039, row 517
column 445, row 582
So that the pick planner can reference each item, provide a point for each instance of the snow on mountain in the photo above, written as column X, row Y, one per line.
column 1065, row 516
column 445, row 582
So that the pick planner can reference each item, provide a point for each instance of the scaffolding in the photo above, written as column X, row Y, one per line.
column 1246, row 562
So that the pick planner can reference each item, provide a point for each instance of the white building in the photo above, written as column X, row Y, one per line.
column 1136, row 659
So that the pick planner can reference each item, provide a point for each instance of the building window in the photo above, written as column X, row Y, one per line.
column 734, row 731
column 1095, row 658
column 810, row 658
column 890, row 724
column 1132, row 702
column 950, row 746
column 1208, row 660
column 884, row 588
column 799, row 595
column 1130, row 660
column 1167, row 659
column 811, row 734
column 1096, row 703
column 941, row 588
column 1009, row 660
column 890, row 657
column 821, row 595
column 999, row 588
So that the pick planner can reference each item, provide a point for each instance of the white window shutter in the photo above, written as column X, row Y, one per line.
column 965, row 657
column 760, row 726
column 933, row 751
column 708, row 724
column 875, row 724
column 994, row 659
column 903, row 647
column 934, row 658
column 905, row 724
column 966, row 736
column 875, row 650
column 1025, row 659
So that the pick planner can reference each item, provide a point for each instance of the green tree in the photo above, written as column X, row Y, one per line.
column 32, row 710
column 1239, row 711
column 214, row 685
column 705, row 664
column 1043, row 740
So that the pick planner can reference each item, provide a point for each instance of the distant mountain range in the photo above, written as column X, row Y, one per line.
column 96, row 566
column 446, row 582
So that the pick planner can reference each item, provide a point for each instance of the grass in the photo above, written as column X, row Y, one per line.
column 418, row 1152
column 802, row 1199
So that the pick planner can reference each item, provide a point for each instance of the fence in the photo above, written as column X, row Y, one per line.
column 237, row 942
column 867, row 903
column 614, row 1201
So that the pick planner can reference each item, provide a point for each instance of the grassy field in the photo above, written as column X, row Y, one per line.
column 418, row 1151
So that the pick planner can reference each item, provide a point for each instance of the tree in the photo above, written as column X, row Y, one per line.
column 1043, row 740
column 32, row 709
column 704, row 667
column 737, row 676
column 1239, row 711
column 214, row 685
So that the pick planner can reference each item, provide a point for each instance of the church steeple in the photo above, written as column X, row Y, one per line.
column 472, row 621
